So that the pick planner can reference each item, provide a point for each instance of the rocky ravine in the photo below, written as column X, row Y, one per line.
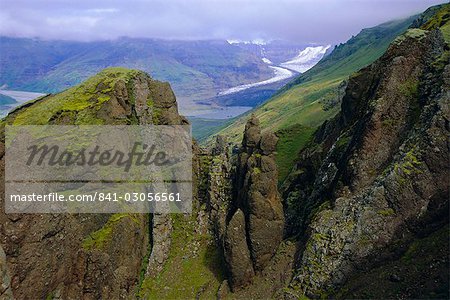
column 363, row 213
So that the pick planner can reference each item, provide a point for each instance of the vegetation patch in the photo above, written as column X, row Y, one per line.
column 389, row 122
column 408, row 165
column 156, row 115
column 446, row 32
column 291, row 141
column 326, row 205
column 194, row 269
column 410, row 88
column 442, row 61
column 85, row 99
column 386, row 212
column 439, row 19
column 413, row 33
column 256, row 171
column 343, row 141
column 99, row 238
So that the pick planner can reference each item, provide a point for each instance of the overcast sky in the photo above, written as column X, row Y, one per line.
column 305, row 21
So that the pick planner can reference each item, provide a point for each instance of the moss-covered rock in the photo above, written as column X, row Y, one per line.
column 93, row 255
column 382, row 166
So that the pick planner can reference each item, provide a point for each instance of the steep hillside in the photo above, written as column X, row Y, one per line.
column 369, row 193
column 360, row 50
column 366, row 204
column 315, row 95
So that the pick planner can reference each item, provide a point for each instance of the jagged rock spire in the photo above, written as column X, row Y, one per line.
column 256, row 198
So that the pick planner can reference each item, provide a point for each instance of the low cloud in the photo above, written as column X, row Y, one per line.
column 306, row 21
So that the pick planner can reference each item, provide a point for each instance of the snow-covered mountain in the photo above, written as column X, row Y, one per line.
column 306, row 59
column 252, row 42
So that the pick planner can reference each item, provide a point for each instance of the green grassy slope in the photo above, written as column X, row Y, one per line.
column 202, row 128
column 290, row 140
column 440, row 20
column 194, row 269
column 359, row 51
column 301, row 102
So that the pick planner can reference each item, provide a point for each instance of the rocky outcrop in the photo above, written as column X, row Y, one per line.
column 378, row 172
column 5, row 278
column 219, row 192
column 223, row 291
column 257, row 193
column 237, row 253
column 334, row 98
column 91, row 256
column 161, row 232
column 256, row 198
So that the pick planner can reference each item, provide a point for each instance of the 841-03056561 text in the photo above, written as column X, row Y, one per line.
column 97, row 196
column 98, row 169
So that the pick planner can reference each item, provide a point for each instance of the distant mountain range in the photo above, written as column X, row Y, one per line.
column 197, row 70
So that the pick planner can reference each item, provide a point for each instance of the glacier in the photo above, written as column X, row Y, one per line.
column 306, row 59
column 279, row 74
column 267, row 61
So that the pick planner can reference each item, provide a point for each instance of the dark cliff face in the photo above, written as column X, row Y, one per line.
column 377, row 174
column 89, row 256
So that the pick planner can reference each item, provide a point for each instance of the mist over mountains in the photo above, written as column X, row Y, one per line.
column 312, row 21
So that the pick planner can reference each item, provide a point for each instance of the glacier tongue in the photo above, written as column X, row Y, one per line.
column 279, row 74
column 267, row 61
column 306, row 59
